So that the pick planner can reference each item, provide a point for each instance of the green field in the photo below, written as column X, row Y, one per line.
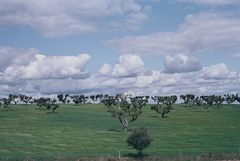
column 89, row 131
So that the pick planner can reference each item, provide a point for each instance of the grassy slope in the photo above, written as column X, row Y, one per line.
column 88, row 130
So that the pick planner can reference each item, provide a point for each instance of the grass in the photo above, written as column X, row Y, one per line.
column 89, row 131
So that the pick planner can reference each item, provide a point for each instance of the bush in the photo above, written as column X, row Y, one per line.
column 139, row 139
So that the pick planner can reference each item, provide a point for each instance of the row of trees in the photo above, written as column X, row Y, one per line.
column 191, row 100
column 188, row 99
column 120, row 105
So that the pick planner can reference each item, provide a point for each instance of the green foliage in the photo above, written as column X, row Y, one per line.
column 188, row 99
column 14, row 98
column 126, row 111
column 6, row 102
column 139, row 139
column 230, row 98
column 49, row 103
column 208, row 101
column 164, row 104
column 218, row 100
column 25, row 98
column 79, row 99
column 63, row 98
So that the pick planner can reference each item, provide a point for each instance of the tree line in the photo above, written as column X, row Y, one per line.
column 161, row 104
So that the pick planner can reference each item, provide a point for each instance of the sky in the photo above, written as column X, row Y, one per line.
column 138, row 47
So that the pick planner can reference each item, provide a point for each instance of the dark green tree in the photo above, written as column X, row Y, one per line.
column 230, row 98
column 25, row 98
column 14, row 98
column 208, row 101
column 188, row 99
column 218, row 100
column 49, row 103
column 164, row 104
column 79, row 99
column 139, row 139
column 123, row 110
column 6, row 102
column 63, row 98
column 94, row 98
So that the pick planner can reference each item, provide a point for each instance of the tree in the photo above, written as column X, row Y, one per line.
column 79, row 99
column 94, row 98
column 14, row 98
column 63, row 98
column 230, row 98
column 123, row 110
column 164, row 104
column 139, row 139
column 238, row 99
column 25, row 98
column 6, row 102
column 100, row 97
column 207, row 102
column 188, row 99
column 198, row 102
column 49, row 103
column 218, row 100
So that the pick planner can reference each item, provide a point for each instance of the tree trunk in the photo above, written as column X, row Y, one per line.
column 139, row 153
column 124, row 124
column 163, row 114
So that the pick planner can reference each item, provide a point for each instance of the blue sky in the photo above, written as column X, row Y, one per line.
column 152, row 47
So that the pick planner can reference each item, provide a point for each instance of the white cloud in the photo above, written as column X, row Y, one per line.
column 218, row 71
column 27, row 64
column 201, row 32
column 47, row 75
column 129, row 65
column 181, row 63
column 105, row 69
column 62, row 18
column 11, row 56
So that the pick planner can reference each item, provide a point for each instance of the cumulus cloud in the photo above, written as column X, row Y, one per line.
column 11, row 56
column 218, row 71
column 129, row 65
column 46, row 75
column 181, row 63
column 62, row 18
column 28, row 64
column 198, row 33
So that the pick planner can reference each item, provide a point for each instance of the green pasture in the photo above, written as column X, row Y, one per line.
column 27, row 131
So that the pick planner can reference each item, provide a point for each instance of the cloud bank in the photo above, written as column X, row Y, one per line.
column 58, row 18
column 37, row 74
column 199, row 33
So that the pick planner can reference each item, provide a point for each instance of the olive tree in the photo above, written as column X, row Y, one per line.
column 188, row 99
column 6, row 101
column 14, row 98
column 79, row 99
column 208, row 101
column 126, row 111
column 25, row 98
column 230, row 98
column 63, row 98
column 49, row 103
column 164, row 104
column 218, row 100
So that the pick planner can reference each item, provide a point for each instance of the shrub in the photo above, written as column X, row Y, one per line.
column 139, row 139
